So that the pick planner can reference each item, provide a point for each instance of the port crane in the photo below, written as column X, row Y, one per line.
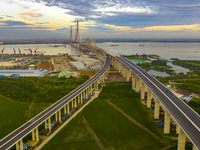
column 14, row 51
column 19, row 51
column 2, row 50
column 35, row 51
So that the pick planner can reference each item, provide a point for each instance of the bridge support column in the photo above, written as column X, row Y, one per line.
column 138, row 84
column 123, row 70
column 115, row 63
column 65, row 109
column 120, row 67
column 128, row 74
column 56, row 117
column 143, row 89
column 21, row 144
column 91, row 89
column 103, row 78
column 157, row 109
column 45, row 124
column 81, row 97
column 149, row 97
column 133, row 81
column 33, row 135
column 181, row 140
column 17, row 145
column 167, row 123
column 49, row 120
column 96, row 85
column 59, row 113
column 68, row 108
column 72, row 103
column 37, row 134
column 177, row 129
column 75, row 102
column 86, row 94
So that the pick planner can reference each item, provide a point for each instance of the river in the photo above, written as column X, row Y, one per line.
column 186, row 51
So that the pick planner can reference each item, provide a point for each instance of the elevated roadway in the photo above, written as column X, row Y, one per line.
column 29, row 126
column 185, row 117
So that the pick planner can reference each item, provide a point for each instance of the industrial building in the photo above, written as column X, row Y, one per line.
column 77, row 65
column 23, row 73
column 90, row 63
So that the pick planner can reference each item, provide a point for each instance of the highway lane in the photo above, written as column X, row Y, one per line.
column 192, row 114
column 187, row 119
column 39, row 119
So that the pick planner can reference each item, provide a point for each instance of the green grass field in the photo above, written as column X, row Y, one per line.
column 113, row 129
column 14, row 114
column 73, row 136
column 138, row 112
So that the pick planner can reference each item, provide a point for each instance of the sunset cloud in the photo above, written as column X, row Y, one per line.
column 194, row 27
column 31, row 13
column 102, row 17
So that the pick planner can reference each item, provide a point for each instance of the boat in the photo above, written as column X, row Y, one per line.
column 114, row 45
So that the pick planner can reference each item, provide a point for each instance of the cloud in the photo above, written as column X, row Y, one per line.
column 31, row 13
column 23, row 28
column 8, row 16
column 118, row 28
column 100, row 8
column 189, row 5
column 111, row 10
column 194, row 27
column 42, row 22
column 62, row 29
column 10, row 23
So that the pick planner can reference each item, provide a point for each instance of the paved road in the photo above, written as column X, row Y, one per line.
column 26, row 128
column 187, row 119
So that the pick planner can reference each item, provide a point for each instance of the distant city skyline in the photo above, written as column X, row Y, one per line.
column 50, row 19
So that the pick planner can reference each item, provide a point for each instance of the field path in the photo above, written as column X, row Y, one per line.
column 92, row 133
column 138, row 124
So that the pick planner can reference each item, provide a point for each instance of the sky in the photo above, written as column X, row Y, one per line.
column 51, row 19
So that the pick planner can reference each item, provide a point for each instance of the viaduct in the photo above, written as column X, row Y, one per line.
column 187, row 121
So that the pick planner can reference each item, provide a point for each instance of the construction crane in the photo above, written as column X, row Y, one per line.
column 35, row 51
column 19, row 51
column 14, row 51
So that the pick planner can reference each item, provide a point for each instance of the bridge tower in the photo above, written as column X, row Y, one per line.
column 71, row 34
column 77, row 34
